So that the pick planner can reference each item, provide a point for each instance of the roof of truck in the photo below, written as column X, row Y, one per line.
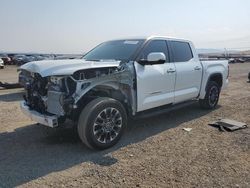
column 153, row 37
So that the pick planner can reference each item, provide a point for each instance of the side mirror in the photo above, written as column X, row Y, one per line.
column 154, row 58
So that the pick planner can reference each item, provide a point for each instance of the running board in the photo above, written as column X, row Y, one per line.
column 163, row 109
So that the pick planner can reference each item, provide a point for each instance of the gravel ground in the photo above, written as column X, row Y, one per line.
column 154, row 152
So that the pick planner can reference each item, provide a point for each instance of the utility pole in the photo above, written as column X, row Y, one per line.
column 226, row 54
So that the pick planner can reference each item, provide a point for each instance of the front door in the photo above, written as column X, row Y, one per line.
column 155, row 83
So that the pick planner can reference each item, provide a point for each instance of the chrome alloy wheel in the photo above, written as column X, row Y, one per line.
column 213, row 96
column 107, row 125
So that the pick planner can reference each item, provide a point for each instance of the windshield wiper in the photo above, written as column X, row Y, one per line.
column 92, row 59
column 108, row 60
column 100, row 60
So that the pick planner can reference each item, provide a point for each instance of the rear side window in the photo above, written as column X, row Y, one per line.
column 155, row 46
column 181, row 51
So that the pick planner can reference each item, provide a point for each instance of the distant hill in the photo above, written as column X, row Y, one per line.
column 246, row 52
column 222, row 51
column 208, row 51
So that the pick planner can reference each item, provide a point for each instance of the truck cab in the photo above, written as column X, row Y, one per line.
column 178, row 78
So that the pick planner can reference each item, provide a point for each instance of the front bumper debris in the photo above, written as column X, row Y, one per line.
column 50, row 121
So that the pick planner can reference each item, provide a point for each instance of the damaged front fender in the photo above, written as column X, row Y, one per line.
column 115, row 82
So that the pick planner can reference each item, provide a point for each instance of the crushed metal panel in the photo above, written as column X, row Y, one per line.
column 232, row 124
column 229, row 124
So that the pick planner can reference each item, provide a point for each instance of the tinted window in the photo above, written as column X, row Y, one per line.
column 155, row 46
column 114, row 50
column 181, row 51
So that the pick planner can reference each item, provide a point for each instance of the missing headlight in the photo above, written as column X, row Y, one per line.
column 55, row 79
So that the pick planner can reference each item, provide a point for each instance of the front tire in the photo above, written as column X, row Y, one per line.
column 101, row 123
column 212, row 96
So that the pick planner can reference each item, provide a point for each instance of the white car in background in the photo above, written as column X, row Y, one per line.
column 1, row 64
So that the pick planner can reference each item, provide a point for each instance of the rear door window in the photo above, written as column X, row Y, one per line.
column 181, row 51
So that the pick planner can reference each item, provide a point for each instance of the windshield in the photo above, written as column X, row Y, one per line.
column 114, row 50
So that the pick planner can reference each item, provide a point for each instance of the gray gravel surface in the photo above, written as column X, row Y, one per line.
column 153, row 152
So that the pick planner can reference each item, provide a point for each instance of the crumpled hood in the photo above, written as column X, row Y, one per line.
column 64, row 67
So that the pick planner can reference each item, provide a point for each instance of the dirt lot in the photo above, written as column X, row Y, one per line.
column 155, row 152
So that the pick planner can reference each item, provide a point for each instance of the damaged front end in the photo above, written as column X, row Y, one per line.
column 50, row 100
column 47, row 97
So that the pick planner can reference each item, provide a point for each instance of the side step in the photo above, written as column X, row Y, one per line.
column 163, row 109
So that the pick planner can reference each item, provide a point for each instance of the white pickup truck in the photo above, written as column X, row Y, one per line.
column 117, row 80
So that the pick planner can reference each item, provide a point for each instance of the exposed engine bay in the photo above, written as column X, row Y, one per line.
column 64, row 96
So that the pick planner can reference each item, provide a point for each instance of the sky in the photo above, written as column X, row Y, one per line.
column 76, row 26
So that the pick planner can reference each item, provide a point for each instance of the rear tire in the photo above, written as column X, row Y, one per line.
column 101, row 123
column 212, row 96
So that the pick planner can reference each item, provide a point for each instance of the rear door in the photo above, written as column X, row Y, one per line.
column 188, row 68
column 155, row 83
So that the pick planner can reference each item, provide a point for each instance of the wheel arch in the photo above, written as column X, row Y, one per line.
column 216, row 77
column 118, row 91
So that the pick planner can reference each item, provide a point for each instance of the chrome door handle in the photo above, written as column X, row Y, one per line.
column 197, row 68
column 170, row 70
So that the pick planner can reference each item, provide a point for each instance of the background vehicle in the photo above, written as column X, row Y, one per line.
column 19, row 59
column 231, row 60
column 6, row 59
column 22, row 59
column 118, row 80
column 237, row 60
column 1, row 64
column 240, row 60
